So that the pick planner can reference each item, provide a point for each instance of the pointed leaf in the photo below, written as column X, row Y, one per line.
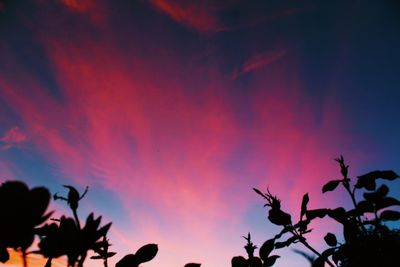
column 330, row 186
column 266, row 249
column 304, row 203
column 146, row 253
column 103, row 230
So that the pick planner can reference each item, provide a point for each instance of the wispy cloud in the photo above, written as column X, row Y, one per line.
column 13, row 138
column 200, row 15
column 258, row 61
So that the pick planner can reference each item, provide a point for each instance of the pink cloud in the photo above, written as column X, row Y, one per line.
column 13, row 137
column 129, row 122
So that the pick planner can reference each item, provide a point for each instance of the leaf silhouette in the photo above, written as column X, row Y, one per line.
column 266, row 249
column 193, row 265
column 387, row 202
column 304, row 203
column 238, row 261
column 330, row 186
column 146, row 253
column 330, row 239
column 390, row 215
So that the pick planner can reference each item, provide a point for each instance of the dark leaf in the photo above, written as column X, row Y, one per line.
column 330, row 239
column 146, row 253
column 193, row 265
column 364, row 206
column 279, row 217
column 304, row 203
column 387, row 202
column 127, row 261
column 266, row 249
column 380, row 193
column 368, row 180
column 319, row 262
column 312, row 214
column 238, row 261
column 330, row 186
column 270, row 261
column 390, row 215
column 103, row 230
column 338, row 214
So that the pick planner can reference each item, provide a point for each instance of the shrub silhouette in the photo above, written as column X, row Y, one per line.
column 367, row 240
column 17, row 226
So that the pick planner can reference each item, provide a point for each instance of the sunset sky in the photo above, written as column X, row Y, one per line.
column 171, row 111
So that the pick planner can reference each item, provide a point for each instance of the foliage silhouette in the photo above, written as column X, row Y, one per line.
column 264, row 259
column 143, row 254
column 28, row 210
column 367, row 240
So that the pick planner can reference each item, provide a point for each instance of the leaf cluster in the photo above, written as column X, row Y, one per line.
column 367, row 239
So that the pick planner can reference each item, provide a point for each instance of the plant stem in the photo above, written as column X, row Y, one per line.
column 24, row 258
column 353, row 199
column 76, row 218
column 304, row 242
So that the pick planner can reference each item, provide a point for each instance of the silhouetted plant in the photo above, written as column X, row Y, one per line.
column 265, row 260
column 101, row 249
column 367, row 240
column 21, row 210
column 68, row 238
column 73, row 199
column 143, row 254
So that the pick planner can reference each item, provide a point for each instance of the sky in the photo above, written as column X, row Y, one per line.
column 171, row 111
